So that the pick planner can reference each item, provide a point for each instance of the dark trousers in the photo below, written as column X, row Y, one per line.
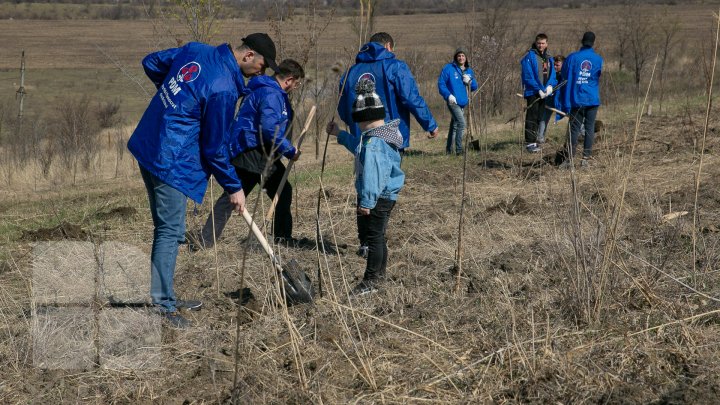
column 579, row 117
column 371, row 231
column 283, row 221
column 533, row 116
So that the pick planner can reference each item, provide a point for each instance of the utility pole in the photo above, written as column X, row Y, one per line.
column 21, row 91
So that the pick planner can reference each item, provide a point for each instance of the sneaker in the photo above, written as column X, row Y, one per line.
column 363, row 251
column 365, row 287
column 585, row 162
column 190, row 305
column 177, row 320
column 533, row 148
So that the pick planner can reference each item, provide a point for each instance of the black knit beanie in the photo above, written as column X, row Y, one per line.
column 367, row 105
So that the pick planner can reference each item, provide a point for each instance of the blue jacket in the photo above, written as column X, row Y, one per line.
column 377, row 166
column 582, row 71
column 263, row 119
column 182, row 136
column 393, row 83
column 531, row 73
column 451, row 82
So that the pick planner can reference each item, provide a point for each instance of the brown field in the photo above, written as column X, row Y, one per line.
column 594, row 285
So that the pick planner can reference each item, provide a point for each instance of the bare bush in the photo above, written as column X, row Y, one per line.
column 44, row 146
column 200, row 17
column 493, row 39
column 76, row 133
column 107, row 113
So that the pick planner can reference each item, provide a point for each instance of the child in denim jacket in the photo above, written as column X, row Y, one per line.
column 378, row 177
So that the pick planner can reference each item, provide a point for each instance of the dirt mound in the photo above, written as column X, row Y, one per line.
column 517, row 206
column 119, row 212
column 64, row 231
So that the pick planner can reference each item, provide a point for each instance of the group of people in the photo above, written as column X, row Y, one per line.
column 568, row 86
column 191, row 130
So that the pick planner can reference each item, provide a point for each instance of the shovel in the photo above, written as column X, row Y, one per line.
column 298, row 287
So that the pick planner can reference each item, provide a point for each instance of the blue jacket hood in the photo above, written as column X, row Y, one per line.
column 263, row 119
column 262, row 81
column 394, row 84
column 373, row 51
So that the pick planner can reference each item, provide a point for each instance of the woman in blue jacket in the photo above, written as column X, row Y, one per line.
column 453, row 82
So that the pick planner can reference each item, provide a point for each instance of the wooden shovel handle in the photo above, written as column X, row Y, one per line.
column 274, row 202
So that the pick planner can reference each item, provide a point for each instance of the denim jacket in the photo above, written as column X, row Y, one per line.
column 377, row 165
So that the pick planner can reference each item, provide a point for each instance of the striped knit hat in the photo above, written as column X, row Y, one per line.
column 367, row 105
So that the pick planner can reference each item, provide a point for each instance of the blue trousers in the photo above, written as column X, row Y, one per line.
column 167, row 206
column 456, row 130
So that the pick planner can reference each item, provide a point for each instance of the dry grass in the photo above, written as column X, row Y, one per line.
column 519, row 331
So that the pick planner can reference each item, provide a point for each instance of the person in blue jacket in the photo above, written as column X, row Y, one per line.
column 393, row 83
column 181, row 140
column 538, row 79
column 581, row 97
column 260, row 133
column 453, row 84
column 378, row 180
column 550, row 101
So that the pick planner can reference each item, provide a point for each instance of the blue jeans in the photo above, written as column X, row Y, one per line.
column 457, row 127
column 167, row 206
column 579, row 117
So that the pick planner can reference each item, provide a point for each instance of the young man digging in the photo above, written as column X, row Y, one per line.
column 259, row 133
column 378, row 177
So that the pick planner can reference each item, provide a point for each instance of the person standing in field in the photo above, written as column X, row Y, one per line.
column 394, row 84
column 453, row 84
column 581, row 97
column 378, row 177
column 259, row 133
column 538, row 79
column 182, row 139
column 550, row 101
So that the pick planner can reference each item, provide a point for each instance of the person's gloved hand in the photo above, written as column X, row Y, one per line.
column 466, row 78
column 453, row 100
column 548, row 91
column 542, row 94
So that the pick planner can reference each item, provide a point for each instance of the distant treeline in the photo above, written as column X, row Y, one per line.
column 261, row 9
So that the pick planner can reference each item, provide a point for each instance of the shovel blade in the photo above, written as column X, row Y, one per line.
column 298, row 287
